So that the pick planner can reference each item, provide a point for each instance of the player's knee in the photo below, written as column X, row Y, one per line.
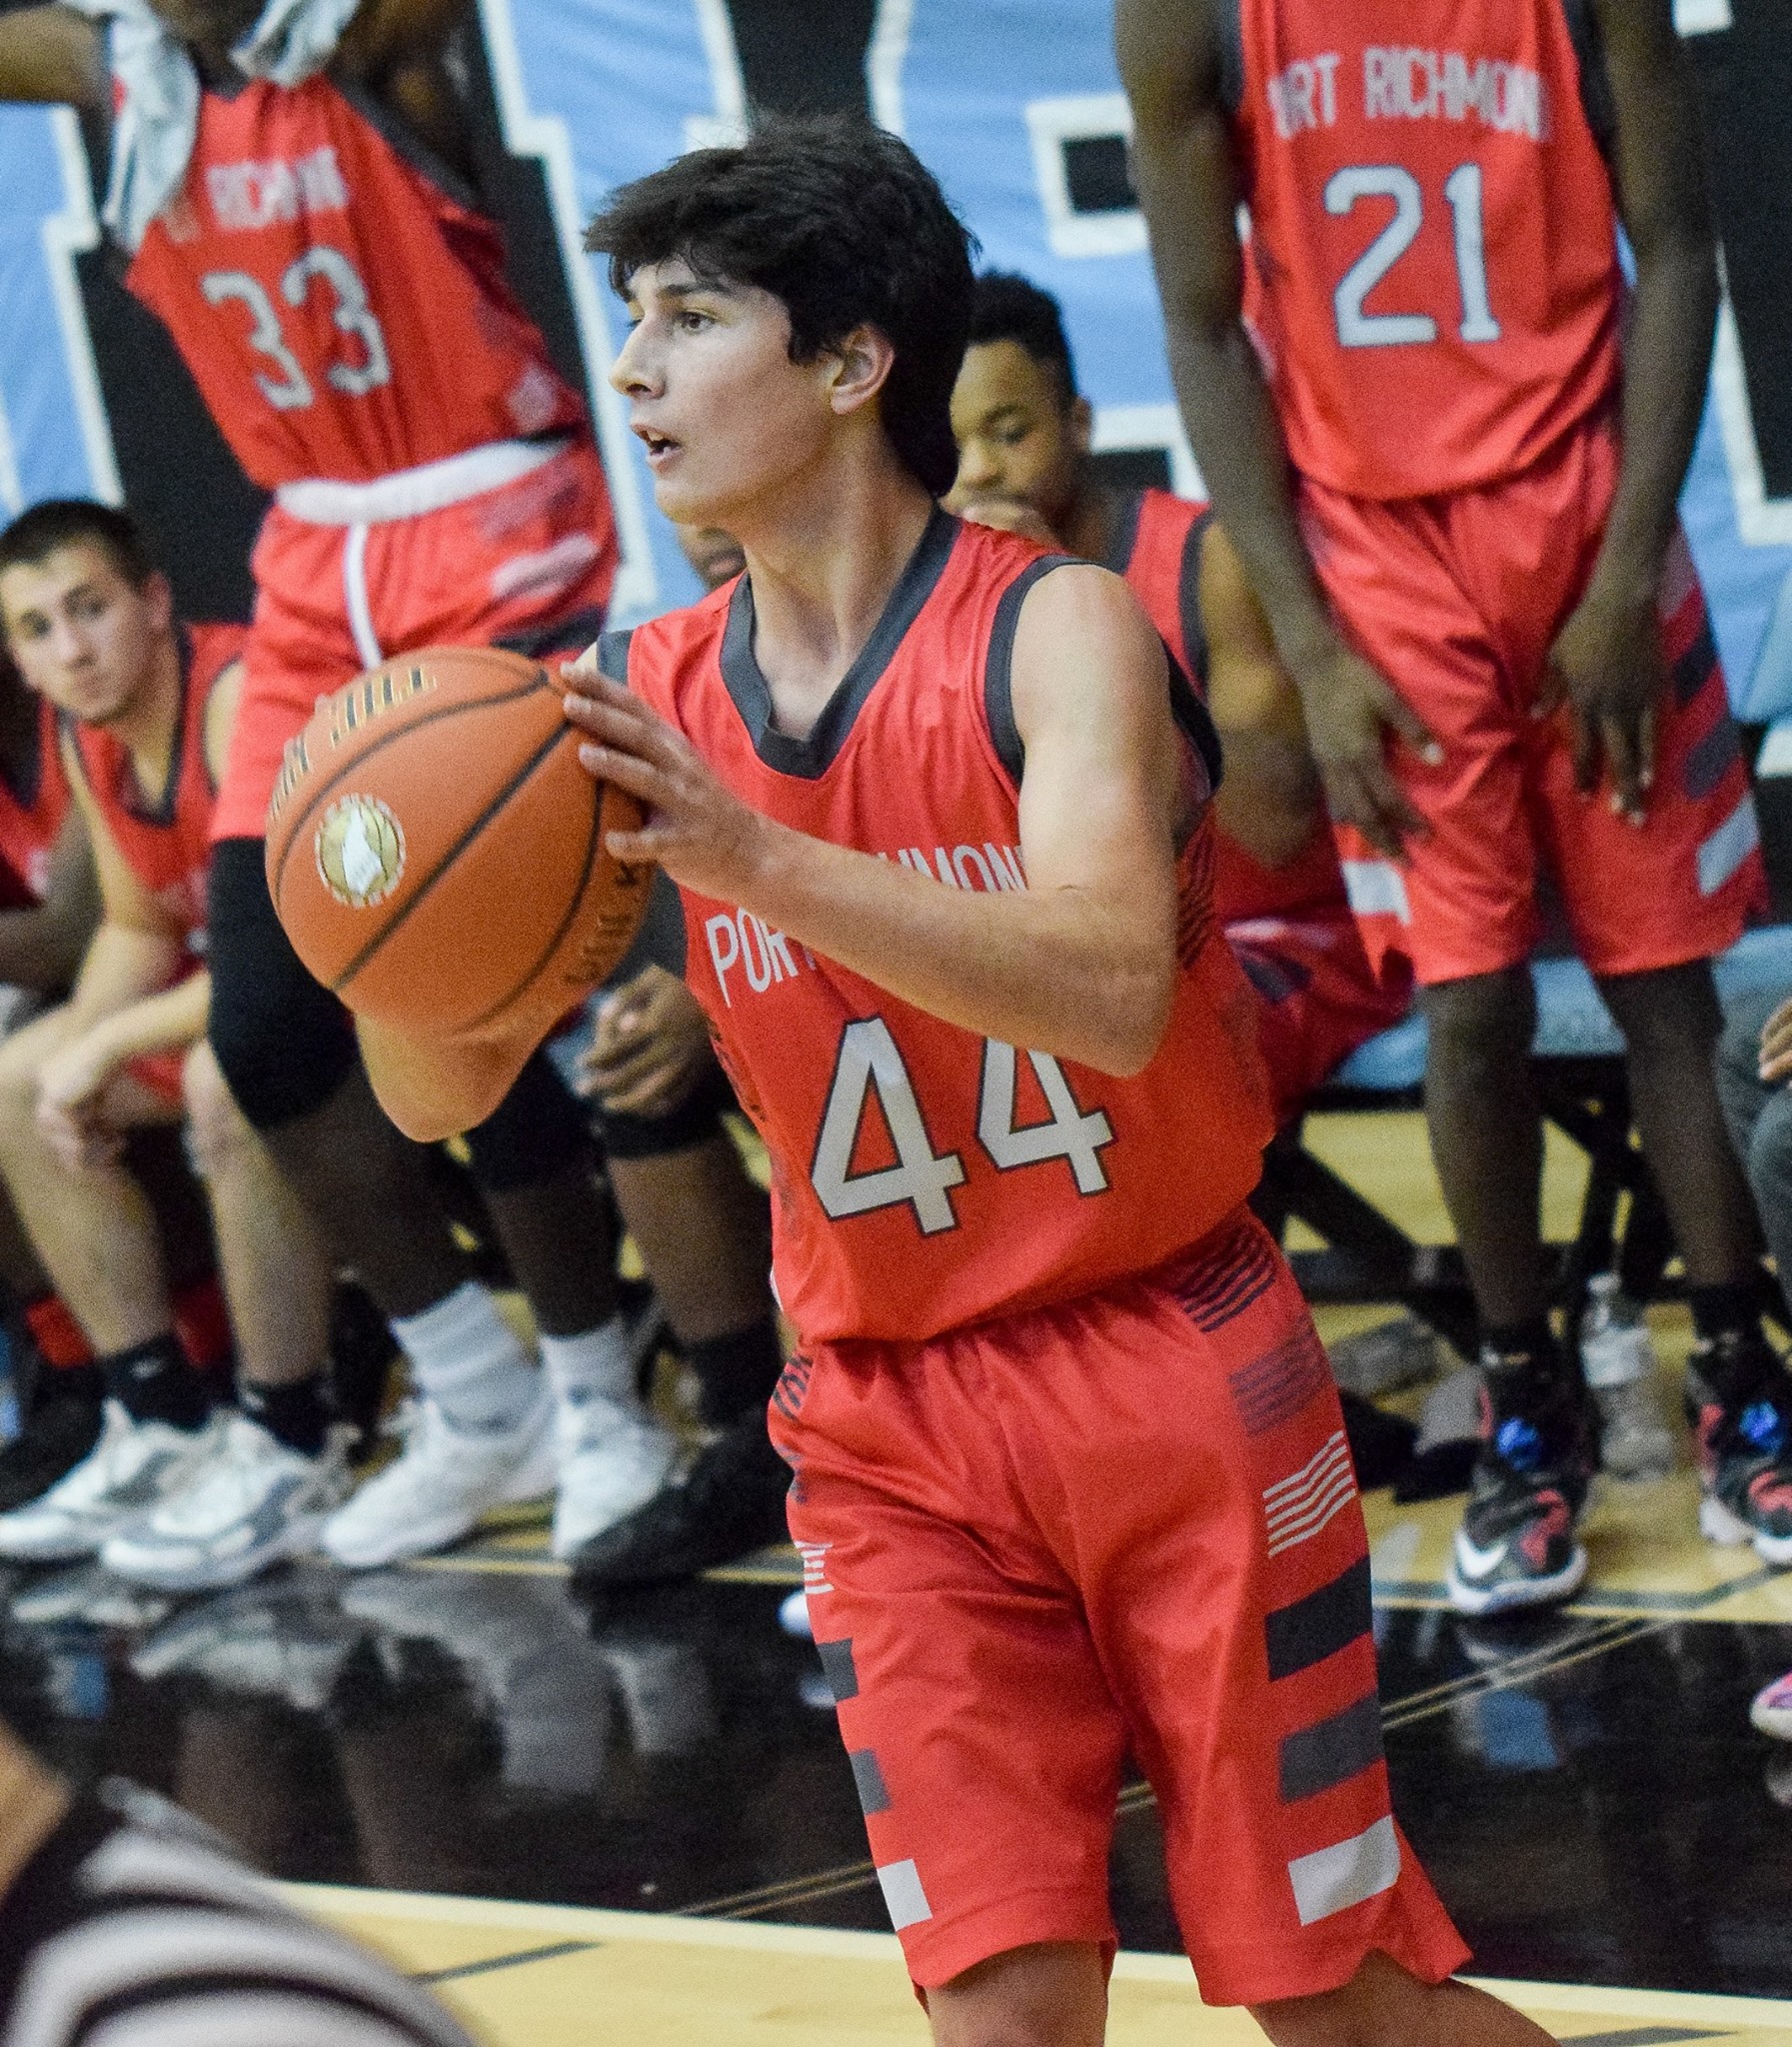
column 1483, row 1019
column 217, row 1130
column 1672, row 1012
column 538, row 1132
column 277, row 1073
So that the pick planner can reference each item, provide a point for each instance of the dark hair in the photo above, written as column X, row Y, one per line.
column 68, row 521
column 1010, row 308
column 845, row 225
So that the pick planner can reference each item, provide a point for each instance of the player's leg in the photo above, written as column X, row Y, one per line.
column 278, row 1467
column 538, row 1169
column 97, row 1238
column 1384, row 2006
column 1462, row 909
column 702, row 1228
column 1759, row 1115
column 1046, row 1996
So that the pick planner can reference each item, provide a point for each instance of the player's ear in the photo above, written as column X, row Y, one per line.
column 862, row 366
column 157, row 598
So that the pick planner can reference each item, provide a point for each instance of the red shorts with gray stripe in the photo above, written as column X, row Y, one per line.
column 1123, row 1524
column 1457, row 601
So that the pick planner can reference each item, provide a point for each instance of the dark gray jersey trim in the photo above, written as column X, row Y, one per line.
column 1127, row 511
column 1228, row 19
column 999, row 665
column 612, row 655
column 811, row 758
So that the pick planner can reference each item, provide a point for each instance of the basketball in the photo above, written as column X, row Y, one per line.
column 436, row 852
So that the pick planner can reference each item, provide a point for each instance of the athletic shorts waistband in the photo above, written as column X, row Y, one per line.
column 410, row 493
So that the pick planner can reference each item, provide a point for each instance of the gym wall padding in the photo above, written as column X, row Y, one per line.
column 1014, row 102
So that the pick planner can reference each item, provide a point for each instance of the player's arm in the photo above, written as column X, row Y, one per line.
column 398, row 49
column 1081, row 963
column 52, row 54
column 1183, row 165
column 1270, row 799
column 122, row 1002
column 1608, row 660
column 42, row 945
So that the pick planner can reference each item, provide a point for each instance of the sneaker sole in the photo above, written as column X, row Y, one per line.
column 1730, row 1531
column 298, row 1539
column 1512, row 1596
column 1774, row 1720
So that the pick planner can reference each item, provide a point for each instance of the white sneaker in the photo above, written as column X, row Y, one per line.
column 441, row 1484
column 613, row 1457
column 254, row 1501
column 127, row 1475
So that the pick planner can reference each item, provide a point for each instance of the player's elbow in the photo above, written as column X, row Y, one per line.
column 1132, row 1020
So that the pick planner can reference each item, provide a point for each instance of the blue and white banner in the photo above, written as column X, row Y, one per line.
column 1017, row 105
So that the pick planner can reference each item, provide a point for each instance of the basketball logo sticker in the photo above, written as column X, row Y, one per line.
column 360, row 850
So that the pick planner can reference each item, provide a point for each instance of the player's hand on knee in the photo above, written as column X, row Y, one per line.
column 651, row 1047
column 703, row 835
column 1607, row 667
column 1350, row 709
column 70, row 1084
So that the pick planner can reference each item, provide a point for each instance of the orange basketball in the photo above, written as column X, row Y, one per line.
column 436, row 852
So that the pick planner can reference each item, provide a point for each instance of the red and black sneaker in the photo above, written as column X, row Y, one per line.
column 1516, row 1547
column 1744, row 1436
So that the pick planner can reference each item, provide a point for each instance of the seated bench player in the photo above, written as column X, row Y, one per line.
column 1048, row 1366
column 1022, row 431
column 175, row 1491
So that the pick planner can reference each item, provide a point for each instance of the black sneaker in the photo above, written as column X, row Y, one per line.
column 1516, row 1547
column 730, row 1503
column 61, row 1426
column 1744, row 1437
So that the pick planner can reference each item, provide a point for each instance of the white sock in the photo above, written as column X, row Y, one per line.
column 468, row 1359
column 593, row 1366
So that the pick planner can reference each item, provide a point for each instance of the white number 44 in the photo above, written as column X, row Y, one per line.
column 869, row 1063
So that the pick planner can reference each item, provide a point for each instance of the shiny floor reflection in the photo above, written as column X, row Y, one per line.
column 1586, row 1791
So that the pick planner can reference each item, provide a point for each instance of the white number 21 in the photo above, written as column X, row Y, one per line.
column 1462, row 189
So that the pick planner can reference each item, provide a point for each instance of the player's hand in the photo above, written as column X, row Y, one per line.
column 1351, row 711
column 651, row 1047
column 1776, row 1044
column 702, row 834
column 69, row 1086
column 1009, row 515
column 1608, row 667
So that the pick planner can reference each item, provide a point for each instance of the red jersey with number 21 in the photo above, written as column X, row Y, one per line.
column 342, row 313
column 1432, row 271
column 926, row 1177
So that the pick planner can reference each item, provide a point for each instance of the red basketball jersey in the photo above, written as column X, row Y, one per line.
column 31, row 816
column 165, row 837
column 343, row 314
column 1432, row 272
column 926, row 1177
column 1158, row 548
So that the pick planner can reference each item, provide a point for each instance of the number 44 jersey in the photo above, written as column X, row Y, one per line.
column 926, row 1178
column 1432, row 273
column 341, row 305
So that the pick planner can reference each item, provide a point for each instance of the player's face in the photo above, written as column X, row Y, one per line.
column 727, row 420
column 1019, row 442
column 83, row 634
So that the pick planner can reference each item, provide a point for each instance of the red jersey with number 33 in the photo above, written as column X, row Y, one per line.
column 1432, row 271
column 343, row 314
column 926, row 1177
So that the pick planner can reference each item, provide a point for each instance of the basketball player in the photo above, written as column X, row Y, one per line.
column 921, row 791
column 291, row 189
column 1023, row 432
column 1459, row 517
column 173, row 1493
column 123, row 1919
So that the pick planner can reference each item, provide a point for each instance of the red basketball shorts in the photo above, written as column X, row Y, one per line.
column 1318, row 997
column 1124, row 1524
column 508, row 564
column 1457, row 600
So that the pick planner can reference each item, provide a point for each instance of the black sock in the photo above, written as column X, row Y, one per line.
column 1514, row 1347
column 736, row 1372
column 298, row 1415
column 155, row 1383
column 1727, row 1311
